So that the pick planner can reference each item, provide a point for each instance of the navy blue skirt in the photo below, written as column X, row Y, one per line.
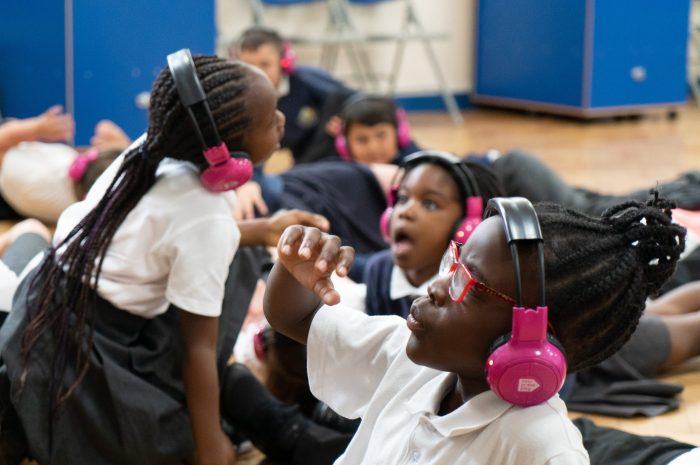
column 130, row 408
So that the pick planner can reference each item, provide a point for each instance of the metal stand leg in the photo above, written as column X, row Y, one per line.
column 447, row 95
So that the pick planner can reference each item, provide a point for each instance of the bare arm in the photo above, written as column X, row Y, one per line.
column 52, row 125
column 684, row 299
column 267, row 231
column 202, row 389
column 300, row 280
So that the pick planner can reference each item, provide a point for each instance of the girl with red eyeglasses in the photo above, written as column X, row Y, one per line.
column 419, row 384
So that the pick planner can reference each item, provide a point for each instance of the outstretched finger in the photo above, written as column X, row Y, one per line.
column 261, row 206
column 328, row 256
column 312, row 237
column 291, row 236
column 54, row 110
column 345, row 260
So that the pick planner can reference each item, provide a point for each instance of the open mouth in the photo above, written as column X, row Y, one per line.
column 402, row 243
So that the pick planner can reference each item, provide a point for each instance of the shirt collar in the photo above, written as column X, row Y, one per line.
column 399, row 286
column 283, row 88
column 477, row 413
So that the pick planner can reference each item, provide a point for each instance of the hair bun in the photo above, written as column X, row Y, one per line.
column 649, row 228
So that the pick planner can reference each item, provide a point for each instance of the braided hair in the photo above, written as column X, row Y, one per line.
column 64, row 283
column 601, row 270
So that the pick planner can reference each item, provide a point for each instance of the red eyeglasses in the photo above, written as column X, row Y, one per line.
column 462, row 280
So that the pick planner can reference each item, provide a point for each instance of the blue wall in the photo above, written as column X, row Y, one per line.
column 119, row 46
column 32, row 68
column 515, row 50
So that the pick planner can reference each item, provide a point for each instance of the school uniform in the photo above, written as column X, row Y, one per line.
column 624, row 384
column 17, row 256
column 308, row 98
column 358, row 365
column 174, row 249
column 34, row 179
column 8, row 284
column 388, row 290
column 403, row 152
column 607, row 446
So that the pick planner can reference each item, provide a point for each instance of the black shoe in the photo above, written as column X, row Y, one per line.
column 272, row 426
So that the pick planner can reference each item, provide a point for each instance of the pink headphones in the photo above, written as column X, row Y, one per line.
column 403, row 133
column 468, row 186
column 288, row 58
column 223, row 172
column 526, row 366
column 80, row 164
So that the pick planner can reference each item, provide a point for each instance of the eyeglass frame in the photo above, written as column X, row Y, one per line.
column 471, row 282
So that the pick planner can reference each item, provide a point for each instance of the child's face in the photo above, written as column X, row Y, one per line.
column 267, row 58
column 456, row 337
column 267, row 125
column 426, row 210
column 373, row 144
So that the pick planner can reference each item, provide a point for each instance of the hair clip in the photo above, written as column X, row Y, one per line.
column 80, row 164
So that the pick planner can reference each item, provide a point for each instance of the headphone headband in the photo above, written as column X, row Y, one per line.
column 191, row 93
column 223, row 172
column 452, row 163
column 521, row 225
column 466, row 183
column 184, row 74
column 526, row 366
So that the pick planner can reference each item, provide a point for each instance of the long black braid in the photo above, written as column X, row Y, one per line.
column 599, row 272
column 67, row 278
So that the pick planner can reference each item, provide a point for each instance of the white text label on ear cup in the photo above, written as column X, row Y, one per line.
column 528, row 385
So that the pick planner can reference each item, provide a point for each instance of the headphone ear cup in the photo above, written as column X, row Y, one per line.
column 228, row 175
column 474, row 208
column 341, row 146
column 403, row 129
column 288, row 58
column 385, row 224
column 525, row 375
column 465, row 229
column 500, row 340
column 385, row 218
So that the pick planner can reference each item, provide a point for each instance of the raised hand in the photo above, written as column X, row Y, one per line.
column 248, row 199
column 311, row 256
column 54, row 125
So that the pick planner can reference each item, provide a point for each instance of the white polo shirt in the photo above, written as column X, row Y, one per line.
column 175, row 246
column 34, row 179
column 358, row 365
column 8, row 285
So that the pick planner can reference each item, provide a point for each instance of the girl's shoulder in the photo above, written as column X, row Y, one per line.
column 178, row 202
